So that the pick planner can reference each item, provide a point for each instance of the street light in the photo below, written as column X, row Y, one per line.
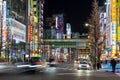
column 86, row 24
column 95, row 45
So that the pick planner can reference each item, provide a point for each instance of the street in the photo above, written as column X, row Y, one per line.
column 64, row 71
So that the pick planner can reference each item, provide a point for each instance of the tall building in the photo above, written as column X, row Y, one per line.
column 22, row 24
column 35, row 35
column 68, row 31
column 112, row 28
column 33, row 26
column 13, row 28
column 59, row 25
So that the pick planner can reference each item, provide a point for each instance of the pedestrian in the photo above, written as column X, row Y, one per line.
column 98, row 65
column 113, row 64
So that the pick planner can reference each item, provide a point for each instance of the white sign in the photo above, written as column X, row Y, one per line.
column 18, row 30
column 4, row 34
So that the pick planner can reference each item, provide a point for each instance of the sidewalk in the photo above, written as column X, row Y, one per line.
column 5, row 65
column 116, row 72
column 103, row 75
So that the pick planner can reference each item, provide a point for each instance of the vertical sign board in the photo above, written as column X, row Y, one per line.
column 108, row 23
column 68, row 30
column 4, row 28
column 59, row 25
column 113, row 12
column 0, row 21
column 18, row 30
column 118, row 37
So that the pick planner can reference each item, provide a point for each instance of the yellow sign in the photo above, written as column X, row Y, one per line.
column 118, row 33
column 35, row 52
column 113, row 10
column 113, row 36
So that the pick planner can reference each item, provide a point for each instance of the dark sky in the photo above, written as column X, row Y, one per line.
column 76, row 11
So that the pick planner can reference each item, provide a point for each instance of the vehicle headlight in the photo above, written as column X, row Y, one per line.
column 75, row 61
column 79, row 66
column 88, row 66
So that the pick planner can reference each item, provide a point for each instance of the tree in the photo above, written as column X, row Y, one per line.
column 94, row 20
column 94, row 28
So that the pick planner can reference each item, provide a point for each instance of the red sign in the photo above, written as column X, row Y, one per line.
column 31, row 32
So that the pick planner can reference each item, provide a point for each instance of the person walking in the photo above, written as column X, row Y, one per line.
column 113, row 64
column 98, row 65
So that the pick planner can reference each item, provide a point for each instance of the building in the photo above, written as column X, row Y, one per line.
column 111, row 28
column 22, row 29
column 13, row 28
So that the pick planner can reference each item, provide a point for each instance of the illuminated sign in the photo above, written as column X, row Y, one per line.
column 59, row 25
column 18, row 30
column 31, row 32
column 0, row 18
column 113, row 12
column 68, row 30
column 118, row 31
column 4, row 34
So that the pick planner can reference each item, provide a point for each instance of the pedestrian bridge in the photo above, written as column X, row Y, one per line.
column 67, row 43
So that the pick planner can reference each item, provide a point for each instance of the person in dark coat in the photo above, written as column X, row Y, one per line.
column 113, row 64
column 98, row 65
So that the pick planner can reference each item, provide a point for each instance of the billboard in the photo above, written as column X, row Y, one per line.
column 0, row 20
column 68, row 30
column 18, row 30
column 59, row 25
column 113, row 12
column 4, row 28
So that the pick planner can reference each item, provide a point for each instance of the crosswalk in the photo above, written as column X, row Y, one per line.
column 67, row 65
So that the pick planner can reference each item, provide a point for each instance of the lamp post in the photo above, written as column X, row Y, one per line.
column 95, row 46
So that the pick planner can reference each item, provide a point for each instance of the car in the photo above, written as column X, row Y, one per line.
column 36, row 63
column 84, row 65
column 61, row 60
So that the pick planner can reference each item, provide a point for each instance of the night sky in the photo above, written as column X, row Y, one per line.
column 76, row 12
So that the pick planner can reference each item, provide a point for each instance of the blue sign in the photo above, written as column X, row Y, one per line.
column 23, row 52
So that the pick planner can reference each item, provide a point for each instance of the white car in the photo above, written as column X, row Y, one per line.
column 84, row 65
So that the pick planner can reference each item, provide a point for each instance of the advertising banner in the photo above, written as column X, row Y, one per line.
column 4, row 28
column 0, row 20
column 59, row 25
column 113, row 12
column 31, row 33
column 118, row 31
column 0, row 9
column 68, row 30
column 18, row 30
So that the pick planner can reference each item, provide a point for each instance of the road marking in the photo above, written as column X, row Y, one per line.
column 67, row 73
